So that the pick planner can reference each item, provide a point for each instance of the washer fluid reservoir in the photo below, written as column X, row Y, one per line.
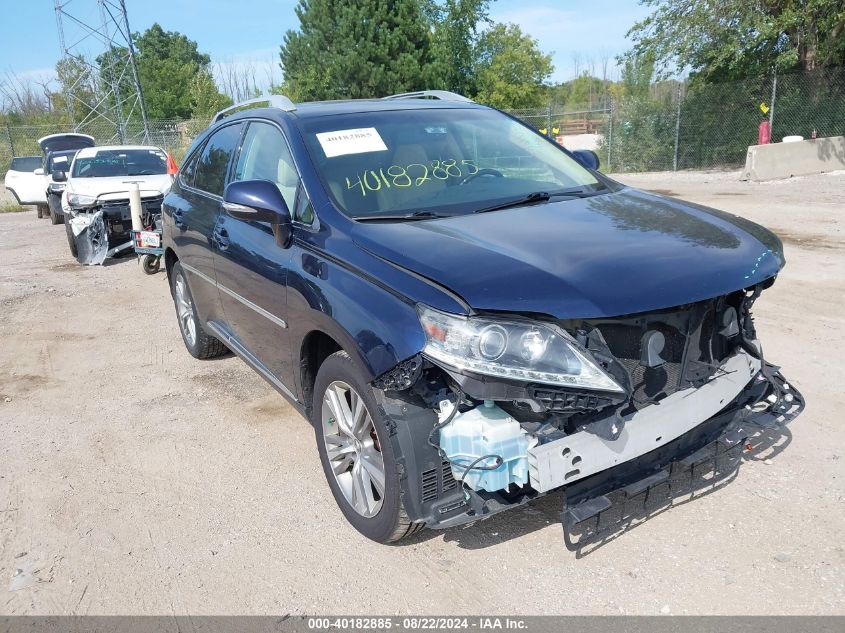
column 483, row 431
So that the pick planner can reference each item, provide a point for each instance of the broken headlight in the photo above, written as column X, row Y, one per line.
column 519, row 350
column 80, row 200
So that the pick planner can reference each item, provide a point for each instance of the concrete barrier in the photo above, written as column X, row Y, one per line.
column 802, row 158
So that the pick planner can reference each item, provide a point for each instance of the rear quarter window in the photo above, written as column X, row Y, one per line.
column 26, row 163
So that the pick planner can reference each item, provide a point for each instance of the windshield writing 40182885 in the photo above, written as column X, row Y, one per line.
column 411, row 175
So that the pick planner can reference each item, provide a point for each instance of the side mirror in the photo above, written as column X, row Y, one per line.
column 587, row 157
column 58, row 176
column 38, row 172
column 259, row 201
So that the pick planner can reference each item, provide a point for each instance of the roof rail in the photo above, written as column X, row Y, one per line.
column 274, row 101
column 443, row 95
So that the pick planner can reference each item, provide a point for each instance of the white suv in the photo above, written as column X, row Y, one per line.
column 25, row 179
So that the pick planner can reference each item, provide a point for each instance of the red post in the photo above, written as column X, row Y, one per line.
column 764, row 133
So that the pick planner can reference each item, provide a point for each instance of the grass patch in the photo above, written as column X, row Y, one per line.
column 12, row 207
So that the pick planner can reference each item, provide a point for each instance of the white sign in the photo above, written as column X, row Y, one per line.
column 358, row 141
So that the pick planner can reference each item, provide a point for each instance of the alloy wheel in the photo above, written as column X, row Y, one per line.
column 185, row 310
column 353, row 448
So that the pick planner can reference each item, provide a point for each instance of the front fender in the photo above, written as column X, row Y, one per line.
column 375, row 325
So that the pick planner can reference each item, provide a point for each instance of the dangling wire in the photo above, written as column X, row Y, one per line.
column 473, row 465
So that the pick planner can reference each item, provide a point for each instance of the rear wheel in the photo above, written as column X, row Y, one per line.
column 41, row 210
column 71, row 242
column 199, row 344
column 356, row 452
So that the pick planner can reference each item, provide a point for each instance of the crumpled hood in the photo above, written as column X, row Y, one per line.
column 117, row 187
column 608, row 255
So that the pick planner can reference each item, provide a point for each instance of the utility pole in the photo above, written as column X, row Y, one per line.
column 677, row 131
column 772, row 106
column 108, row 87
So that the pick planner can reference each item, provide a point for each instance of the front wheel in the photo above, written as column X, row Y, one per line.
column 356, row 452
column 71, row 241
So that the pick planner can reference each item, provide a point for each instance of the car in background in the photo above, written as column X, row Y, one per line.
column 58, row 151
column 99, row 179
column 470, row 315
column 25, row 179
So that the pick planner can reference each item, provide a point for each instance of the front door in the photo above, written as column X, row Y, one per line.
column 251, row 268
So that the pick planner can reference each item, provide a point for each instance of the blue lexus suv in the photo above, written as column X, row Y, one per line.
column 469, row 315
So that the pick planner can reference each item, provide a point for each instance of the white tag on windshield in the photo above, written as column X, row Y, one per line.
column 358, row 141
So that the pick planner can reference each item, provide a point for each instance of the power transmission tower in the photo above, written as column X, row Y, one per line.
column 96, row 42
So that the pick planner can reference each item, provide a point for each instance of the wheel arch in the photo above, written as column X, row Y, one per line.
column 170, row 259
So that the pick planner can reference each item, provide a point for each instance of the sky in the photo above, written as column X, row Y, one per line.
column 249, row 32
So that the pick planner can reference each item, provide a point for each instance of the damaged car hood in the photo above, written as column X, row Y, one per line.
column 607, row 255
column 117, row 187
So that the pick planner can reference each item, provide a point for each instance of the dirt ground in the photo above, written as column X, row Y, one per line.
column 137, row 480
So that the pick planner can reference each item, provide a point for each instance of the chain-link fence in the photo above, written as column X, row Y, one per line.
column 671, row 125
column 173, row 136
column 674, row 125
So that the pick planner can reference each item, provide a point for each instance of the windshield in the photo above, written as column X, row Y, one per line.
column 436, row 162
column 120, row 162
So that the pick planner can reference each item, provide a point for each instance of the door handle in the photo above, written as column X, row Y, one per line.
column 179, row 221
column 221, row 238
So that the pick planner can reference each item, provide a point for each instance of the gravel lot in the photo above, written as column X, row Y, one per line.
column 137, row 480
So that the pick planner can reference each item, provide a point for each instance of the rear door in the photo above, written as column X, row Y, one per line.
column 251, row 268
column 194, row 210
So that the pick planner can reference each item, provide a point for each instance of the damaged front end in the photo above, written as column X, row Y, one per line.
column 102, row 228
column 496, row 411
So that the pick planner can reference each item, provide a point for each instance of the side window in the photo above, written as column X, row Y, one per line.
column 213, row 164
column 265, row 156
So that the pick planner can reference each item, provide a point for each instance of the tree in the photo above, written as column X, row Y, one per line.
column 168, row 62
column 77, row 88
column 368, row 48
column 721, row 40
column 456, row 27
column 206, row 99
column 510, row 68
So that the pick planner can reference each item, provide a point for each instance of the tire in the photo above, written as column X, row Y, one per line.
column 151, row 264
column 54, row 201
column 383, row 520
column 200, row 344
column 71, row 242
column 42, row 210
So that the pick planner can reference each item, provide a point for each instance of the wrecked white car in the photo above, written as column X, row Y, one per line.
column 96, row 197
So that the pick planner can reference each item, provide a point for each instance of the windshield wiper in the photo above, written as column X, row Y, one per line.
column 543, row 196
column 416, row 215
column 531, row 198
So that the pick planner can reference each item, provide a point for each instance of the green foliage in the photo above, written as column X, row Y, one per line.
column 373, row 48
column 168, row 62
column 455, row 27
column 510, row 68
column 206, row 99
column 584, row 91
column 368, row 48
column 643, row 124
column 76, row 88
column 723, row 40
